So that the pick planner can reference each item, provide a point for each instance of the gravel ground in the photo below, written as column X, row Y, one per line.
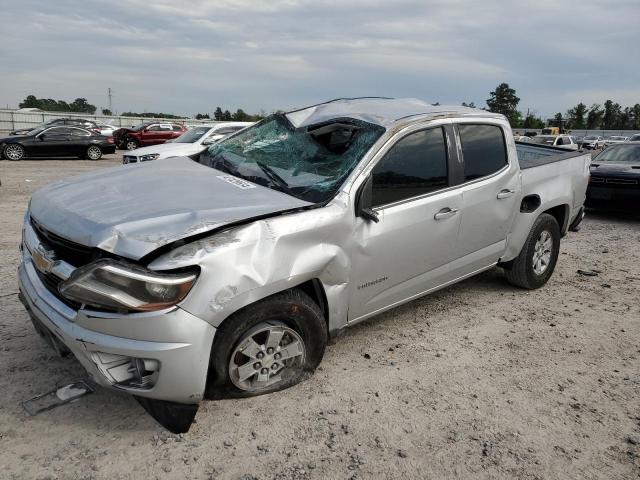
column 480, row 380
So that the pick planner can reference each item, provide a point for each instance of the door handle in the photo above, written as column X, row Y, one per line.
column 445, row 213
column 506, row 193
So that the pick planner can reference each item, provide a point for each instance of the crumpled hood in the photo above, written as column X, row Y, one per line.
column 133, row 210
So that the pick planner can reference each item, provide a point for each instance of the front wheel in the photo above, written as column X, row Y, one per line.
column 533, row 267
column 268, row 346
column 94, row 152
column 14, row 152
column 130, row 144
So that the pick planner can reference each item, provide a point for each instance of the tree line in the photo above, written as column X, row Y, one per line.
column 610, row 116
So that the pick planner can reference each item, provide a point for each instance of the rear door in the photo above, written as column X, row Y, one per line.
column 490, row 191
column 407, row 251
column 80, row 139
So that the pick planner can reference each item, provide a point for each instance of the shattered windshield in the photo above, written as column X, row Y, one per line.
column 310, row 163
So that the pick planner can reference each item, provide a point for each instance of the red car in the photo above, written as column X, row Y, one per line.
column 149, row 133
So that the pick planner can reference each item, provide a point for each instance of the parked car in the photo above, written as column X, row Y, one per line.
column 522, row 138
column 57, row 142
column 225, row 277
column 634, row 138
column 106, row 129
column 614, row 139
column 615, row 177
column 592, row 142
column 192, row 142
column 145, row 134
column 561, row 141
column 76, row 122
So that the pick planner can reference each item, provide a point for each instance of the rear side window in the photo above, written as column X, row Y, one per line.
column 177, row 128
column 415, row 165
column 483, row 150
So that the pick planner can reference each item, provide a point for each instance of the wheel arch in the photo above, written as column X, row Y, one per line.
column 561, row 214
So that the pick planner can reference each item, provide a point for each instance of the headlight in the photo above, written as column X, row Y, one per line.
column 151, row 156
column 119, row 286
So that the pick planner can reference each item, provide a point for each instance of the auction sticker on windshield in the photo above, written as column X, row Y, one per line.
column 238, row 182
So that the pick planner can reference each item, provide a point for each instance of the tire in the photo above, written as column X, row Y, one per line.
column 14, row 152
column 93, row 152
column 291, row 322
column 131, row 144
column 529, row 269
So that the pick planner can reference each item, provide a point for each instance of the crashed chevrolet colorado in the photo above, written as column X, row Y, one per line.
column 183, row 279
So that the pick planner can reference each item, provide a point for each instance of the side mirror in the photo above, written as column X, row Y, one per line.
column 364, row 201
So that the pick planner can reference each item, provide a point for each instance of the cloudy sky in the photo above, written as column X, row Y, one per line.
column 190, row 56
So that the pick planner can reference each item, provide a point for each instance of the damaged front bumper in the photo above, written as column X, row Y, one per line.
column 126, row 352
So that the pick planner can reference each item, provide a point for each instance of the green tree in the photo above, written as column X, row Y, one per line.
column 202, row 116
column 241, row 116
column 533, row 122
column 226, row 115
column 576, row 116
column 470, row 104
column 106, row 111
column 634, row 122
column 30, row 102
column 594, row 117
column 504, row 100
column 611, row 115
column 218, row 114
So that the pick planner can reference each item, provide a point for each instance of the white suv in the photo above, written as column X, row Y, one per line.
column 192, row 142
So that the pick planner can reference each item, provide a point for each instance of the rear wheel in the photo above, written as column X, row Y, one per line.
column 94, row 152
column 14, row 151
column 533, row 267
column 267, row 346
column 130, row 144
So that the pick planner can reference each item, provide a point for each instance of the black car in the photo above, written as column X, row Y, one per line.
column 76, row 122
column 57, row 142
column 615, row 177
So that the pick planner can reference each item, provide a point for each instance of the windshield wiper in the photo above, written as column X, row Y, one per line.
column 273, row 176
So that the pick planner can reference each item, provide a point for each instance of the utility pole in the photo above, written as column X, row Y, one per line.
column 110, row 106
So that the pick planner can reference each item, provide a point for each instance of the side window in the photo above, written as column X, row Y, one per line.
column 177, row 128
column 483, row 150
column 78, row 132
column 165, row 127
column 153, row 128
column 415, row 165
column 58, row 131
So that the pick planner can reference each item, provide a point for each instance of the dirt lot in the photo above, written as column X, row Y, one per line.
column 480, row 380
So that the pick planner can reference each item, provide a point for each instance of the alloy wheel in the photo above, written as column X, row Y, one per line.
column 542, row 252
column 94, row 153
column 14, row 152
column 265, row 355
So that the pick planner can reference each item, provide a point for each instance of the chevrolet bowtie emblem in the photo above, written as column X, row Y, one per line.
column 43, row 259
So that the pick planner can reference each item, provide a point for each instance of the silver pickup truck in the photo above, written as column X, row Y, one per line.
column 177, row 280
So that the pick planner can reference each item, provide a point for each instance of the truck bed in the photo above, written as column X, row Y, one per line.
column 530, row 155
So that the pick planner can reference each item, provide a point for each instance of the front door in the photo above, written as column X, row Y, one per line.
column 408, row 251
column 53, row 142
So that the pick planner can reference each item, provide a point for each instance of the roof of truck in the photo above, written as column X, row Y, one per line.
column 377, row 110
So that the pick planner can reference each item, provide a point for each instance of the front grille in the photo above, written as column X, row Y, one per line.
column 71, row 252
column 51, row 282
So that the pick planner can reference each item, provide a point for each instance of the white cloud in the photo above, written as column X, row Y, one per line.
column 183, row 57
